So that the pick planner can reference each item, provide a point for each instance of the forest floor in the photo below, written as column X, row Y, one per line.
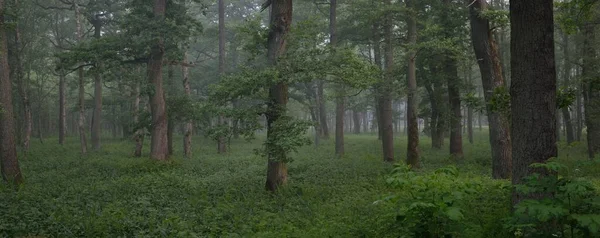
column 111, row 194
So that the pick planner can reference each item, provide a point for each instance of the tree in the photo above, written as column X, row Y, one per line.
column 591, row 89
column 158, row 145
column 450, row 68
column 9, row 163
column 340, row 102
column 189, row 126
column 412, row 157
column 533, row 87
column 490, row 67
column 81, row 122
column 280, row 22
column 221, row 147
column 386, row 125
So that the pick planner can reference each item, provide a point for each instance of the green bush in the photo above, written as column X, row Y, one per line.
column 566, row 206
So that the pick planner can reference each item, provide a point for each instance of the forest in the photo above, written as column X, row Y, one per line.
column 305, row 118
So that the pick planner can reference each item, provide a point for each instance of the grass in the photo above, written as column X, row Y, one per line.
column 111, row 194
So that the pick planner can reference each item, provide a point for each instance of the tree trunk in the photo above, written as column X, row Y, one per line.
column 453, row 80
column 97, row 122
column 490, row 68
column 412, row 158
column 170, row 129
column 81, row 122
column 379, row 64
column 340, row 102
column 23, row 88
column 9, row 163
column 221, row 146
column 62, row 108
column 567, row 77
column 280, row 19
column 387, row 130
column 322, row 110
column 533, row 88
column 356, row 120
column 189, row 126
column 138, row 136
column 158, row 144
column 591, row 94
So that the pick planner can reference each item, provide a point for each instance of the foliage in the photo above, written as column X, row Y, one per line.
column 500, row 101
column 569, row 207
column 565, row 97
column 432, row 204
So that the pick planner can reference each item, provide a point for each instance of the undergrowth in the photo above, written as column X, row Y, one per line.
column 111, row 194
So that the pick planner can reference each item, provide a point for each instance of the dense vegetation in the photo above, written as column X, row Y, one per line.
column 277, row 118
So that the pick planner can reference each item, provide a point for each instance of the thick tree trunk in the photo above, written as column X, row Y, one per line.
column 281, row 20
column 189, row 126
column 158, row 143
column 591, row 94
column 412, row 158
column 490, row 68
column 378, row 62
column 23, row 90
column 450, row 68
column 81, row 122
column 9, row 163
column 533, row 88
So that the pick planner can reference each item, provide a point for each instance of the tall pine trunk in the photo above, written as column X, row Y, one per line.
column 450, row 68
column 412, row 158
column 158, row 143
column 533, row 88
column 9, row 163
column 490, row 68
column 280, row 22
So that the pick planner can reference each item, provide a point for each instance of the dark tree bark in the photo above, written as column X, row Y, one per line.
column 281, row 20
column 221, row 143
column 533, row 88
column 412, row 158
column 97, row 115
column 451, row 75
column 9, row 163
column 158, row 143
column 591, row 94
column 387, row 130
column 490, row 68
